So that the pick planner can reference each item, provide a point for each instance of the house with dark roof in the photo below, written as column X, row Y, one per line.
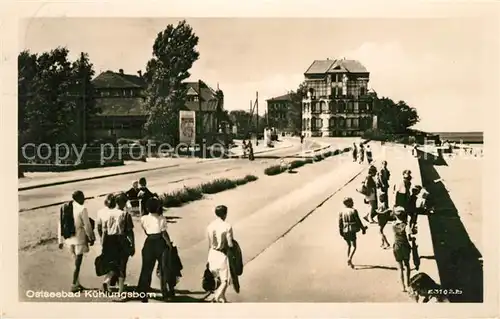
column 121, row 98
column 338, row 102
column 277, row 112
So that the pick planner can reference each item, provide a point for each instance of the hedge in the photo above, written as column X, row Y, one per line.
column 189, row 194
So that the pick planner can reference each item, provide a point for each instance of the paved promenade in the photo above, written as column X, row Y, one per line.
column 309, row 263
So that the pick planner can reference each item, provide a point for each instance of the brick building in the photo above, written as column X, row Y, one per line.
column 121, row 97
column 337, row 102
column 277, row 112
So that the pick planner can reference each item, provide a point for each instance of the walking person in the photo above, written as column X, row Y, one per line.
column 361, row 153
column 354, row 152
column 369, row 155
column 412, row 205
column 370, row 187
column 157, row 242
column 118, row 243
column 75, row 230
column 383, row 216
column 220, row 240
column 402, row 192
column 244, row 147
column 383, row 177
column 250, row 151
column 102, row 216
column 349, row 225
column 401, row 246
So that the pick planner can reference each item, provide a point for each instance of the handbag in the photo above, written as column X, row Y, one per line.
column 208, row 282
column 363, row 189
column 100, row 267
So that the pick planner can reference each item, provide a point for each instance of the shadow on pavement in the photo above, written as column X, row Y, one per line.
column 459, row 261
column 172, row 219
column 363, row 267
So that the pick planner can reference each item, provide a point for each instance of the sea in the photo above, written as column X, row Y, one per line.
column 461, row 137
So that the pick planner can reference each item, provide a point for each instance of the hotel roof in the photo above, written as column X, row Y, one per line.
column 335, row 66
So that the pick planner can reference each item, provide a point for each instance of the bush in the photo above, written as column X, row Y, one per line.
column 217, row 185
column 250, row 178
column 297, row 164
column 336, row 152
column 308, row 161
column 181, row 196
column 274, row 170
column 189, row 194
column 347, row 149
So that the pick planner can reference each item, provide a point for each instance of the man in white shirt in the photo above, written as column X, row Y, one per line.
column 83, row 236
column 220, row 239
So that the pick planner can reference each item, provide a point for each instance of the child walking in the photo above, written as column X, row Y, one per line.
column 383, row 213
column 349, row 225
column 401, row 247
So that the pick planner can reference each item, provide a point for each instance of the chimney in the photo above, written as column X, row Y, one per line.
column 140, row 73
column 121, row 71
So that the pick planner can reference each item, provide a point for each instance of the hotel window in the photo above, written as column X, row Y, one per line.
column 333, row 107
column 362, row 91
column 355, row 123
column 124, row 93
column 348, row 123
column 331, row 122
column 350, row 107
column 341, row 107
column 131, row 92
column 324, row 106
column 308, row 125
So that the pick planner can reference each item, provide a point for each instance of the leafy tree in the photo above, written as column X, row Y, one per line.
column 45, row 102
column 395, row 118
column 51, row 93
column 174, row 52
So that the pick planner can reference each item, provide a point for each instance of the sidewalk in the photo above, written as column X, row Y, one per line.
column 37, row 180
column 314, row 257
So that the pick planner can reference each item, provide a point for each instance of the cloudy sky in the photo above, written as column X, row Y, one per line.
column 443, row 67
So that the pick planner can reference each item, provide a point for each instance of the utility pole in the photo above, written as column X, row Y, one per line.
column 257, row 128
column 200, row 118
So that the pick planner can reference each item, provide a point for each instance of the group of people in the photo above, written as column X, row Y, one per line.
column 408, row 201
column 115, row 229
column 359, row 151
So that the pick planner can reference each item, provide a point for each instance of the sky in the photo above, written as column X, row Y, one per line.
column 443, row 67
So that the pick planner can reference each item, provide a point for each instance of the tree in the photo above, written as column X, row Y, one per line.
column 45, row 102
column 394, row 118
column 174, row 52
column 51, row 93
